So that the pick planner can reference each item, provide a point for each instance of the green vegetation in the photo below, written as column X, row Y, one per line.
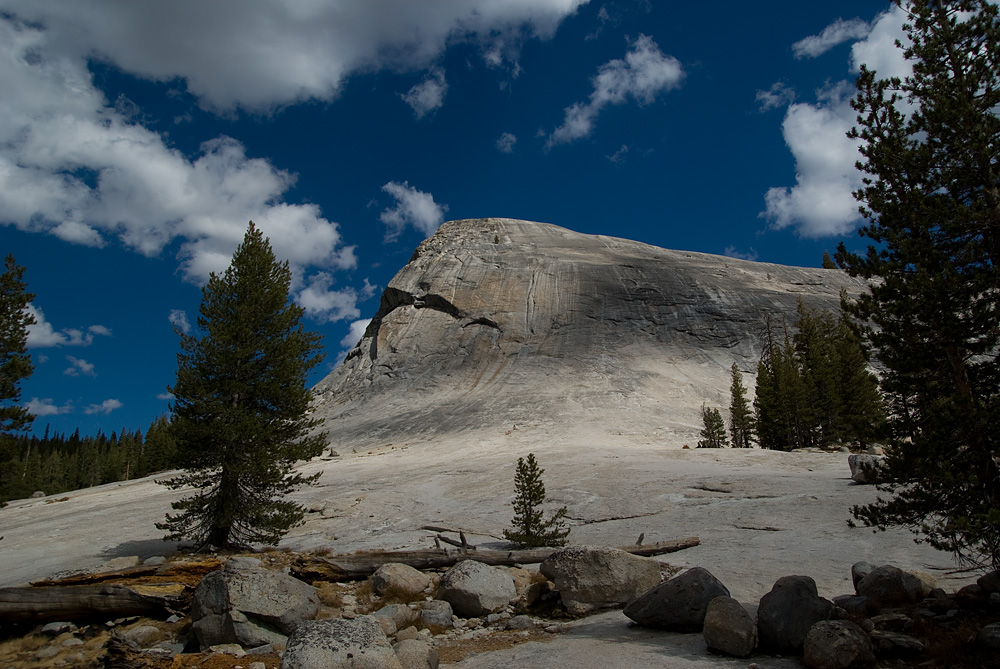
column 240, row 406
column 931, row 147
column 15, row 363
column 530, row 531
column 713, row 434
column 815, row 389
column 742, row 425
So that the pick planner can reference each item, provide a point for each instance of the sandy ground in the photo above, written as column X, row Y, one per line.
column 760, row 515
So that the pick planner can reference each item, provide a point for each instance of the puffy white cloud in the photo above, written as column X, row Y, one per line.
column 179, row 319
column 778, row 95
column 41, row 334
column 46, row 407
column 413, row 207
column 324, row 304
column 732, row 252
column 821, row 202
column 105, row 407
column 838, row 32
column 428, row 95
column 78, row 367
column 225, row 52
column 642, row 75
column 506, row 142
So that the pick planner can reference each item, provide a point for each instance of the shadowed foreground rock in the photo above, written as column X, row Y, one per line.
column 339, row 644
column 680, row 604
column 595, row 577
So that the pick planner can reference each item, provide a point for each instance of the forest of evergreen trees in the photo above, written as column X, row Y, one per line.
column 56, row 463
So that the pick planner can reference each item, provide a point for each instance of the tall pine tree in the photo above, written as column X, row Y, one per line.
column 15, row 364
column 240, row 406
column 930, row 145
column 530, row 530
column 741, row 419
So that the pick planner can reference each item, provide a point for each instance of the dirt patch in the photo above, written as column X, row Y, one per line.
column 457, row 650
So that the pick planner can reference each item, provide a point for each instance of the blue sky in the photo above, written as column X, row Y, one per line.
column 138, row 139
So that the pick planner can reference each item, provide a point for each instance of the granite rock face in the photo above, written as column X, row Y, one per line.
column 473, row 330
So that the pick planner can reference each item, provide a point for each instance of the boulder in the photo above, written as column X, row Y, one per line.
column 339, row 644
column 858, row 571
column 435, row 615
column 38, row 494
column 989, row 637
column 728, row 628
column 889, row 586
column 989, row 582
column 679, row 604
column 416, row 654
column 400, row 582
column 864, row 467
column 400, row 614
column 788, row 612
column 837, row 644
column 246, row 604
column 475, row 589
column 589, row 577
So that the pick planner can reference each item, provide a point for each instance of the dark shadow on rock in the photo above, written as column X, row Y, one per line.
column 145, row 548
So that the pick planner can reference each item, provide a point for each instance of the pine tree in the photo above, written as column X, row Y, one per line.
column 931, row 147
column 15, row 364
column 741, row 419
column 828, row 262
column 240, row 403
column 713, row 433
column 530, row 531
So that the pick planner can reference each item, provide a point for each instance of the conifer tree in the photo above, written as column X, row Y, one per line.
column 239, row 413
column 713, row 433
column 530, row 531
column 15, row 364
column 828, row 262
column 930, row 145
column 741, row 419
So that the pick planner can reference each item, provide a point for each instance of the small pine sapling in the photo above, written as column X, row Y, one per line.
column 530, row 531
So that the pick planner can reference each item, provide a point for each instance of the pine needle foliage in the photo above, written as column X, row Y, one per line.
column 240, row 409
column 930, row 146
column 713, row 432
column 15, row 363
column 742, row 425
column 530, row 530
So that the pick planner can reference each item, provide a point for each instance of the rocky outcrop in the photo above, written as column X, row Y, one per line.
column 246, row 604
column 594, row 577
column 488, row 312
column 680, row 604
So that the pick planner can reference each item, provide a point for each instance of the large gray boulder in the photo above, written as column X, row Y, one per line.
column 416, row 654
column 728, row 628
column 590, row 577
column 400, row 582
column 865, row 467
column 476, row 589
column 788, row 612
column 837, row 644
column 246, row 604
column 680, row 604
column 339, row 644
column 891, row 586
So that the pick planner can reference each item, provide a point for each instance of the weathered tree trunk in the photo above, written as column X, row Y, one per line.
column 361, row 565
column 87, row 602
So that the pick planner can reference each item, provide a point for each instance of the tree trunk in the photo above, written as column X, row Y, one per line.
column 88, row 602
column 358, row 566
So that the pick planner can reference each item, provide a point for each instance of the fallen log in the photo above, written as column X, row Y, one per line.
column 357, row 566
column 88, row 602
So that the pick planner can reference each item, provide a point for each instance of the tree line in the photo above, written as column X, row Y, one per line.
column 814, row 389
column 55, row 463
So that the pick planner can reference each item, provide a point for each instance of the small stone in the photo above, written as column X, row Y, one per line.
column 69, row 643
column 989, row 637
column 407, row 633
column 54, row 629
column 47, row 652
column 233, row 649
column 154, row 561
column 521, row 622
column 257, row 665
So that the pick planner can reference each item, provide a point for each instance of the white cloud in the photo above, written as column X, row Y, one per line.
column 733, row 252
column 506, row 142
column 78, row 367
column 428, row 95
column 413, row 207
column 838, row 32
column 165, row 396
column 46, row 407
column 41, row 334
column 821, row 203
column 645, row 73
column 779, row 95
column 619, row 156
column 179, row 319
column 324, row 304
column 105, row 407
